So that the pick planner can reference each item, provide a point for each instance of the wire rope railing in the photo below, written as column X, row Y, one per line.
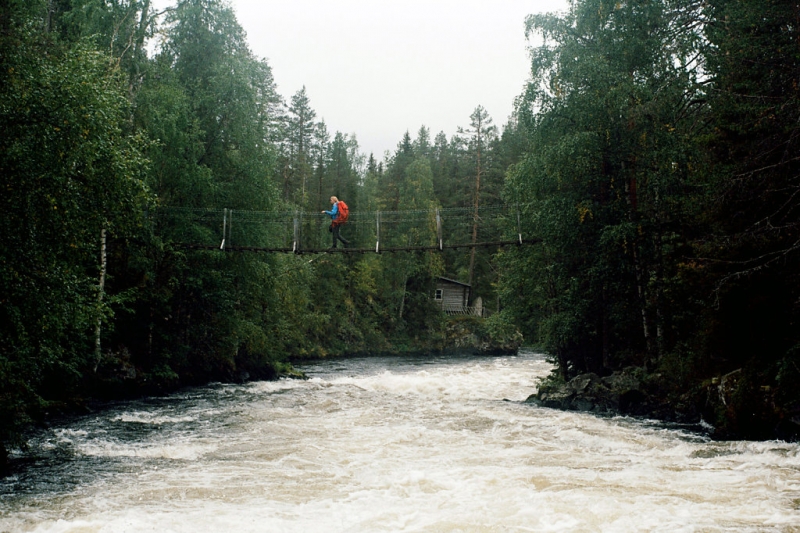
column 367, row 231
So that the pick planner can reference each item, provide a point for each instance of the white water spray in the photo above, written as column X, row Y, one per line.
column 385, row 445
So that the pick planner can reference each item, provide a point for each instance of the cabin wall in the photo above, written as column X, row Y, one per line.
column 453, row 297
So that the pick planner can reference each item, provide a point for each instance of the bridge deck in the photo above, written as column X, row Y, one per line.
column 345, row 250
column 368, row 231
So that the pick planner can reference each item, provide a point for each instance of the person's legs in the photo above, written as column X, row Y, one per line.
column 339, row 236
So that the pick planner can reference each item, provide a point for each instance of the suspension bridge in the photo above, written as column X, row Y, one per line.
column 300, row 232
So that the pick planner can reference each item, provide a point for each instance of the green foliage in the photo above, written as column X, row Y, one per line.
column 647, row 130
column 100, row 141
column 607, row 177
column 69, row 171
column 500, row 329
column 657, row 173
column 300, row 129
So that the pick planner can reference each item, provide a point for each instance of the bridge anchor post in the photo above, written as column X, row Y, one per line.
column 224, row 225
column 378, row 234
column 296, row 242
column 439, row 230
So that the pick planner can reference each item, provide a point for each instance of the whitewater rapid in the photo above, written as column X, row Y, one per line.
column 379, row 445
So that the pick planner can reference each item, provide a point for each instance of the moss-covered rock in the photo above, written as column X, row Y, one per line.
column 620, row 392
column 733, row 405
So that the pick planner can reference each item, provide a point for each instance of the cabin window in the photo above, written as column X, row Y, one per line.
column 438, row 295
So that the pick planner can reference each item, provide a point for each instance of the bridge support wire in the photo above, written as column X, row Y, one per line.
column 295, row 231
column 392, row 249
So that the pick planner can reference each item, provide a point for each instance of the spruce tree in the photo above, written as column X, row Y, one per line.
column 301, row 132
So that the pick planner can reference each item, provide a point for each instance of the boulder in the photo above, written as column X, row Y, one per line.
column 589, row 392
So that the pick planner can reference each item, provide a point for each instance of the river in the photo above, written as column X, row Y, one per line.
column 384, row 445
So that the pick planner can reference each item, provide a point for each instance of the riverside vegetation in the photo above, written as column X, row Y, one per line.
column 654, row 151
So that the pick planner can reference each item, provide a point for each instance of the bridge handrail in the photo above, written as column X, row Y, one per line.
column 511, row 208
column 299, row 231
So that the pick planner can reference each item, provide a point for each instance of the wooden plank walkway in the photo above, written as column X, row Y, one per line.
column 343, row 250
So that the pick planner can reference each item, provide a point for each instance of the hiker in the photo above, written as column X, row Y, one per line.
column 338, row 213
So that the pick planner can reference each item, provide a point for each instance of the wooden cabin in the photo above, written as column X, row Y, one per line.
column 452, row 296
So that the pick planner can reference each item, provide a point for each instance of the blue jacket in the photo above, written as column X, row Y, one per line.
column 334, row 211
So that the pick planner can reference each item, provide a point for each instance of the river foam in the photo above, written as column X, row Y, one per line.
column 394, row 445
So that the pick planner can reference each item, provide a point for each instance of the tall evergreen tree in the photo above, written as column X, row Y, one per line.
column 395, row 173
column 479, row 135
column 301, row 137
column 342, row 175
column 320, row 151
column 442, row 162
column 422, row 144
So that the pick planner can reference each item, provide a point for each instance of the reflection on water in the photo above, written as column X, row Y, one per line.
column 375, row 444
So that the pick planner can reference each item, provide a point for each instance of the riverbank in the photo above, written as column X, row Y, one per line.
column 458, row 335
column 117, row 378
column 730, row 406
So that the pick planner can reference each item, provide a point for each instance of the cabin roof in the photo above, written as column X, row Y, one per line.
column 454, row 281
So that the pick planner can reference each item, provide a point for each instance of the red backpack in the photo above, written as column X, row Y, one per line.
column 341, row 216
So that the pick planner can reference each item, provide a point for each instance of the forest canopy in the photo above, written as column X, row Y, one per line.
column 661, row 171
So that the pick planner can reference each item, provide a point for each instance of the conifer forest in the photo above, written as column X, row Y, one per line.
column 655, row 152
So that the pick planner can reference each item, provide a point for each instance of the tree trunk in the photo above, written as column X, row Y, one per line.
column 101, row 287
column 658, row 300
column 606, row 327
column 403, row 298
column 141, row 32
column 640, row 290
column 475, row 215
column 48, row 21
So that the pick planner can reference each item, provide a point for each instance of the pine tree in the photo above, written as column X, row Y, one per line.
column 320, row 151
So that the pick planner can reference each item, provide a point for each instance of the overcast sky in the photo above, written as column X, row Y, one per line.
column 380, row 68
